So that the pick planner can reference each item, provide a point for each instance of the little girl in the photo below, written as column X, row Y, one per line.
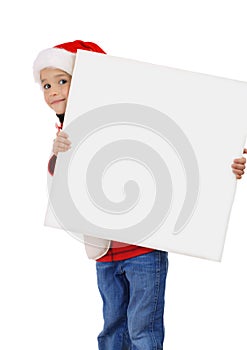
column 131, row 279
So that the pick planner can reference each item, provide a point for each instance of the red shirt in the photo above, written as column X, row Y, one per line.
column 121, row 251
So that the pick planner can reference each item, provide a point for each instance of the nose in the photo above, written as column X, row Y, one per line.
column 53, row 91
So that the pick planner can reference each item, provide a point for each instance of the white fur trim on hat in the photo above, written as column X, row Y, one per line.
column 53, row 58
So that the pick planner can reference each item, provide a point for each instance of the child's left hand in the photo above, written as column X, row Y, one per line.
column 238, row 166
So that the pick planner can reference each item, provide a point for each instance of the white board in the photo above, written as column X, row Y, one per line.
column 151, row 155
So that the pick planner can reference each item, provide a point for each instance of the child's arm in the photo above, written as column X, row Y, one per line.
column 61, row 144
column 238, row 166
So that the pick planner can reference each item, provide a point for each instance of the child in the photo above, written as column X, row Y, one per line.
column 131, row 279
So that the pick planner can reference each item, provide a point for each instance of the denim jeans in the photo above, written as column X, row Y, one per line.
column 133, row 294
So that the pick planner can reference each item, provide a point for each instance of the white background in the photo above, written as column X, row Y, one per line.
column 48, row 294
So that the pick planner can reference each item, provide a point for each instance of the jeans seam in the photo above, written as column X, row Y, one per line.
column 157, row 288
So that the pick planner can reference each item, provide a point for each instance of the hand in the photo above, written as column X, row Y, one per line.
column 61, row 143
column 238, row 166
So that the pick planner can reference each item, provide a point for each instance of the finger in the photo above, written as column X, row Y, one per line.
column 238, row 176
column 64, row 149
column 245, row 150
column 238, row 166
column 62, row 146
column 240, row 160
column 63, row 134
column 238, row 172
column 62, row 137
column 61, row 140
column 61, row 149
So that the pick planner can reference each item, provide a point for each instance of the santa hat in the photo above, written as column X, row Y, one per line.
column 61, row 56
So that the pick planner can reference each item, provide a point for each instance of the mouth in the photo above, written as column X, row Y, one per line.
column 57, row 101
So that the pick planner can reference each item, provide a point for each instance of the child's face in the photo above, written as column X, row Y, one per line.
column 56, row 84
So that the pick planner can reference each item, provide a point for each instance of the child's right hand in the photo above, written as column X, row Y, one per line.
column 61, row 143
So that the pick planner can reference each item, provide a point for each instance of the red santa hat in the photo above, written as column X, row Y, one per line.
column 61, row 56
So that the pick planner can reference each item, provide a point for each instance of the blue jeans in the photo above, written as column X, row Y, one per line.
column 133, row 294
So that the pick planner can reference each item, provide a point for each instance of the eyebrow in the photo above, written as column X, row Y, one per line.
column 56, row 76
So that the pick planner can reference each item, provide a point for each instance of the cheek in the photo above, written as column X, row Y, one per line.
column 46, row 98
column 66, row 91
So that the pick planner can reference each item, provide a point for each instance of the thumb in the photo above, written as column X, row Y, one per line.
column 245, row 151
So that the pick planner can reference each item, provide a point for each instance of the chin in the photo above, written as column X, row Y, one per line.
column 59, row 111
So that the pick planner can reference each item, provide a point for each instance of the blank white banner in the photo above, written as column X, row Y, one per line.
column 151, row 156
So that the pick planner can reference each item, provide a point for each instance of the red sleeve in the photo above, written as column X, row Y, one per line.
column 51, row 164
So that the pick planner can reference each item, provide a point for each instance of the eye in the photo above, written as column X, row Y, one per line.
column 62, row 81
column 46, row 86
